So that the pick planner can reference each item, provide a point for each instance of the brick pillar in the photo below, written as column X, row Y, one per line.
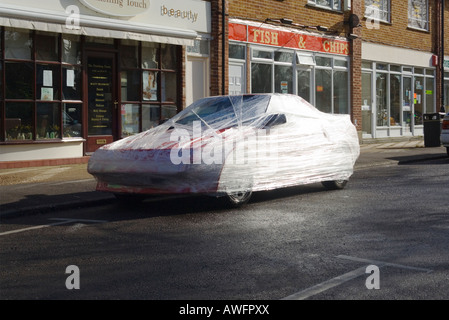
column 216, row 45
column 356, row 70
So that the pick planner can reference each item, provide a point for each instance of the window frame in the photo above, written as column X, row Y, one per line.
column 378, row 18
column 334, row 5
column 410, row 19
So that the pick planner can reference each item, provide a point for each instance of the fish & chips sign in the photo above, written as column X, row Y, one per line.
column 252, row 34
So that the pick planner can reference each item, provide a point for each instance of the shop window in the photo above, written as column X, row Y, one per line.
column 366, row 65
column 19, row 80
column 446, row 91
column 71, row 83
column 150, row 116
column 284, row 56
column 418, row 14
column 19, row 120
column 130, row 119
column 169, row 57
column 419, row 100
column 382, row 66
column 129, row 56
column 340, row 63
column 149, row 93
column 44, row 92
column 303, row 81
column 168, row 112
column 72, row 120
column 323, row 93
column 341, row 90
column 71, row 49
column 47, row 47
column 130, row 82
column 366, row 102
column 199, row 47
column 261, row 54
column 430, row 97
column 150, row 56
column 283, row 79
column 237, row 52
column 261, row 78
column 18, row 44
column 395, row 100
column 395, row 68
column 47, row 82
column 381, row 100
column 48, row 121
column 323, row 61
column 150, row 85
column 169, row 88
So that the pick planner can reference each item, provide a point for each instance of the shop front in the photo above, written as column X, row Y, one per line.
column 398, row 88
column 76, row 76
column 271, row 59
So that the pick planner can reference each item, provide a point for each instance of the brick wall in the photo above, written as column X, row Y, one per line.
column 296, row 10
column 397, row 32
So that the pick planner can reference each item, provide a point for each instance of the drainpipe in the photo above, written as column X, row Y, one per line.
column 442, row 57
column 223, row 45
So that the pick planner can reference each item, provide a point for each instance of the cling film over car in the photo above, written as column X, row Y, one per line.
column 232, row 146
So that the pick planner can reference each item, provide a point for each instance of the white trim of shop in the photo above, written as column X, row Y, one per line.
column 39, row 151
column 52, row 16
column 395, row 55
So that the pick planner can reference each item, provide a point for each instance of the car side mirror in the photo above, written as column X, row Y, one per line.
column 273, row 120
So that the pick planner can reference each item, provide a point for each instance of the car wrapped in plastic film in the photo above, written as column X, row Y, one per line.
column 232, row 146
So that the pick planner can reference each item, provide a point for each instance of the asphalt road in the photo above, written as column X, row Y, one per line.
column 299, row 243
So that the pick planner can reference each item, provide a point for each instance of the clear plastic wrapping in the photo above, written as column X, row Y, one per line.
column 226, row 144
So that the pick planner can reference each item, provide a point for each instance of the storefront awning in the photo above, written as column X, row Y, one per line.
column 17, row 17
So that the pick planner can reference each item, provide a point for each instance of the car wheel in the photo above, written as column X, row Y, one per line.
column 335, row 184
column 447, row 150
column 239, row 198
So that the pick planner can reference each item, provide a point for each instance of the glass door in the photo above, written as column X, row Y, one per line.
column 367, row 101
column 418, row 97
column 304, row 83
column 407, row 104
column 102, row 100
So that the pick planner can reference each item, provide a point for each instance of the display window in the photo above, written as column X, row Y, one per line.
column 46, row 89
column 320, row 79
column 149, row 85
column 41, row 97
column 401, row 95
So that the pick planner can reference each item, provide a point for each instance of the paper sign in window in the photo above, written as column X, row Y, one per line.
column 70, row 78
column 48, row 78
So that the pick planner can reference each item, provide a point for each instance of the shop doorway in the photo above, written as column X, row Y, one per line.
column 102, row 100
column 237, row 78
column 407, row 105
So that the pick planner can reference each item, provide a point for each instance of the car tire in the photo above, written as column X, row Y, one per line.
column 335, row 184
column 447, row 150
column 239, row 198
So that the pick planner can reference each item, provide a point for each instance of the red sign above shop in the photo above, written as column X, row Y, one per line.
column 279, row 38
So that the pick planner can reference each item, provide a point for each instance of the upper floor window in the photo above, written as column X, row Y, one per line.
column 378, row 10
column 418, row 14
column 329, row 4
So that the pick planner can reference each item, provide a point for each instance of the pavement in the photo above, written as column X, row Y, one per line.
column 37, row 190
